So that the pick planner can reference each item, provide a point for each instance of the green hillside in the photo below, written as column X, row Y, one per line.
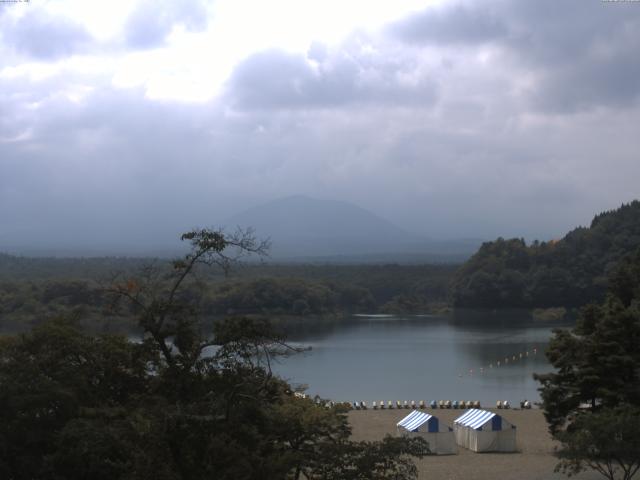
column 569, row 272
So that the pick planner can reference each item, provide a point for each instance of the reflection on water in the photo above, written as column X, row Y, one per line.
column 389, row 358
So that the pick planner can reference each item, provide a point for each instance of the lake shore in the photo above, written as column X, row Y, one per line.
column 533, row 461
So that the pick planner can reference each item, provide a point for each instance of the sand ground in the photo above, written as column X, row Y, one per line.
column 533, row 461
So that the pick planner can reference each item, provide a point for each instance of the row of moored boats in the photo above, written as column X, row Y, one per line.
column 413, row 405
column 455, row 404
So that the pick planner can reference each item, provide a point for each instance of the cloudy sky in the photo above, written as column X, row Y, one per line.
column 129, row 121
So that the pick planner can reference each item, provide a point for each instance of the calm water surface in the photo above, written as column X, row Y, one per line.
column 421, row 358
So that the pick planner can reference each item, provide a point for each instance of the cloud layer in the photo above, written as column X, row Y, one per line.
column 471, row 119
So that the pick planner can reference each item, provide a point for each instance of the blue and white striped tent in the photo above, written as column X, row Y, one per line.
column 484, row 431
column 416, row 419
column 440, row 437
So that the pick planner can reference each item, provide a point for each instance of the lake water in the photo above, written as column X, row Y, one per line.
column 422, row 358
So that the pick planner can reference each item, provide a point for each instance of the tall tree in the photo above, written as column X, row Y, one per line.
column 597, row 362
column 597, row 380
column 161, row 300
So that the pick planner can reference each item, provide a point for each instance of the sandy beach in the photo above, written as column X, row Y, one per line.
column 533, row 461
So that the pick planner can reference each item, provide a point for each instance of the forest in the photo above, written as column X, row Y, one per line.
column 35, row 289
column 569, row 272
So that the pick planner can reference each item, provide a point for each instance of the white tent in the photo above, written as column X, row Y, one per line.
column 440, row 437
column 483, row 431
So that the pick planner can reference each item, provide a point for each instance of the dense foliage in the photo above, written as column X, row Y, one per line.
column 287, row 296
column 74, row 287
column 591, row 400
column 74, row 406
column 607, row 442
column 180, row 404
column 569, row 272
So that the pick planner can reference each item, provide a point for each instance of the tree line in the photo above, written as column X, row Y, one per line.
column 276, row 290
column 570, row 272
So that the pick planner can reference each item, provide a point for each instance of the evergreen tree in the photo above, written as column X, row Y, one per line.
column 595, row 389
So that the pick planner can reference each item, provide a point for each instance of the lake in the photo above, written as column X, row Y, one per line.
column 422, row 358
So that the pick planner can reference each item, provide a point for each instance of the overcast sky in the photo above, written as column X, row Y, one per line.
column 128, row 121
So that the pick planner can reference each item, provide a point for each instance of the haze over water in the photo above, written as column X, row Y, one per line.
column 422, row 358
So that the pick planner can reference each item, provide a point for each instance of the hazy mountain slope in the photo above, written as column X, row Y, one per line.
column 303, row 226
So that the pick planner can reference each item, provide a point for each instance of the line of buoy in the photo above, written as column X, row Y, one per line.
column 507, row 359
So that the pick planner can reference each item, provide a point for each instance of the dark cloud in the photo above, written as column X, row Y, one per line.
column 118, row 168
column 450, row 24
column 152, row 20
column 578, row 55
column 548, row 33
column 101, row 172
column 610, row 80
column 43, row 36
column 276, row 79
column 584, row 54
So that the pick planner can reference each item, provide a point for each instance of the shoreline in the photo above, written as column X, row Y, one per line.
column 534, row 459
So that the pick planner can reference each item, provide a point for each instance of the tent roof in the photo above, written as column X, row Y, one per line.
column 414, row 420
column 474, row 418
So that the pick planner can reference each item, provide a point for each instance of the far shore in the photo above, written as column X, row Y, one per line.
column 533, row 461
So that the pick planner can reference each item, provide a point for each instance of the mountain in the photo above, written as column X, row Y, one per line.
column 569, row 272
column 302, row 228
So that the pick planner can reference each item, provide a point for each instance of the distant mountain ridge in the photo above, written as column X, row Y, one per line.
column 303, row 227
column 302, row 230
column 569, row 272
